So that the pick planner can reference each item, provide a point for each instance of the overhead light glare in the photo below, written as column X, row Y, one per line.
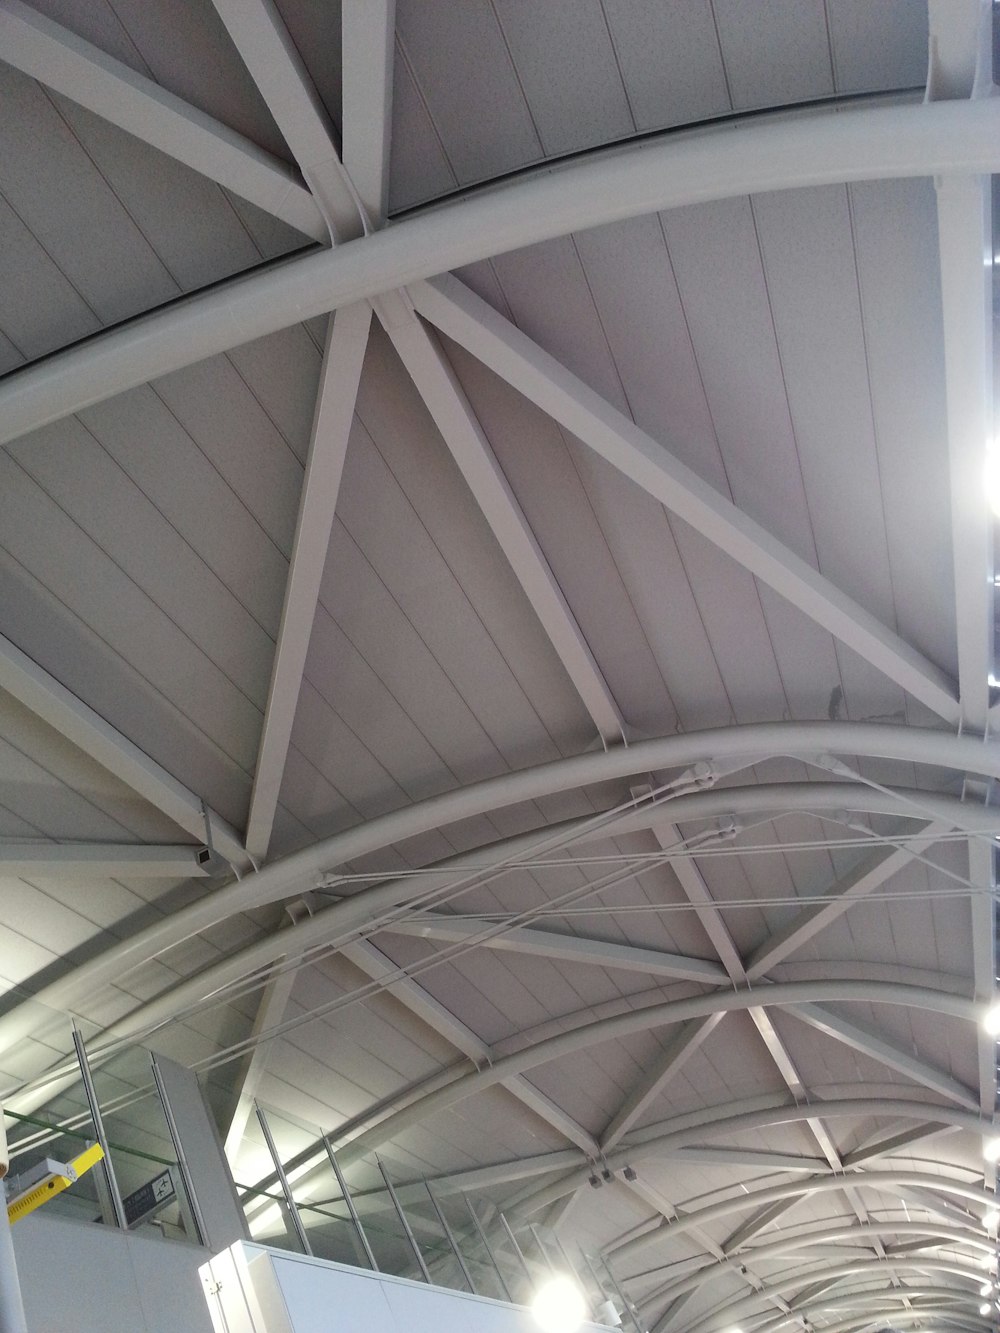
column 991, row 1219
column 559, row 1306
column 991, row 477
column 986, row 1289
column 985, row 1308
column 991, row 1150
column 991, row 1019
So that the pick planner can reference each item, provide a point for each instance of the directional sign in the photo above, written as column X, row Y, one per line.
column 149, row 1198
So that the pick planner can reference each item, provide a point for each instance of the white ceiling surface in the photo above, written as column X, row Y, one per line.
column 789, row 349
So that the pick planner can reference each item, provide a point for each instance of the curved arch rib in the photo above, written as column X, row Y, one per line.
column 657, row 1015
column 883, row 1180
column 689, row 1129
column 768, row 152
column 742, row 745
column 746, row 1306
column 961, row 1236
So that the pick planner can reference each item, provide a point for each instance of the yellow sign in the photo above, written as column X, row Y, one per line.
column 53, row 1183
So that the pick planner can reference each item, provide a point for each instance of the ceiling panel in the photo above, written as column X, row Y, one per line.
column 462, row 65
column 787, row 347
column 775, row 51
column 567, row 67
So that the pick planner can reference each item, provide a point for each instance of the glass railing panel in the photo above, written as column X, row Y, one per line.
column 519, row 1276
column 142, row 1151
column 433, row 1235
column 269, row 1219
column 385, row 1228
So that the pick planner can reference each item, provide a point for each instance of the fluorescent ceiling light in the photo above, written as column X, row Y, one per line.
column 991, row 1019
column 991, row 1150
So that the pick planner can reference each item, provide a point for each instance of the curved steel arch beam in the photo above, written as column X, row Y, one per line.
column 961, row 1236
column 656, row 1015
column 746, row 745
column 883, row 1180
column 752, row 1114
column 768, row 152
column 746, row 1306
column 882, row 1303
column 885, row 1305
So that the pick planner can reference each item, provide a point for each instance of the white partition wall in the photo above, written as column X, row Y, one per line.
column 252, row 1289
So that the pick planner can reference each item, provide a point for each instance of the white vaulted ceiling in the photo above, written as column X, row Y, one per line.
column 616, row 554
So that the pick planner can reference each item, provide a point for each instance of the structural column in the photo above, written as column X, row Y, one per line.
column 12, row 1318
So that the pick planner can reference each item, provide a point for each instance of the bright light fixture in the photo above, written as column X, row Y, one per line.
column 991, row 477
column 991, row 1219
column 991, row 1150
column 991, row 1019
column 559, row 1306
column 986, row 1289
column 985, row 1308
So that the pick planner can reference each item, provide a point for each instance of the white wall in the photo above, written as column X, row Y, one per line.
column 81, row 1277
column 265, row 1291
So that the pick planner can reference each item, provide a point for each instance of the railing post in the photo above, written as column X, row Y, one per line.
column 451, row 1238
column 403, row 1221
column 117, row 1207
column 286, row 1189
column 362, row 1236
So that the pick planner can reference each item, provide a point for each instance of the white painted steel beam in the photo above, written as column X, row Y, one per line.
column 871, row 1044
column 902, row 1141
column 412, row 996
column 869, row 874
column 753, row 1159
column 90, row 860
column 888, row 1312
column 744, row 1306
column 883, row 1309
column 799, row 1241
column 762, row 1219
column 960, row 65
column 73, row 67
column 678, row 1051
column 922, row 1198
column 32, row 686
column 654, row 1016
column 343, row 357
column 453, row 414
column 300, row 871
column 982, row 873
column 470, row 321
column 766, row 153
column 420, row 1002
column 270, row 1011
column 799, row 1189
column 965, row 238
column 263, row 41
column 673, row 1136
column 566, row 948
column 368, row 28
column 697, row 892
